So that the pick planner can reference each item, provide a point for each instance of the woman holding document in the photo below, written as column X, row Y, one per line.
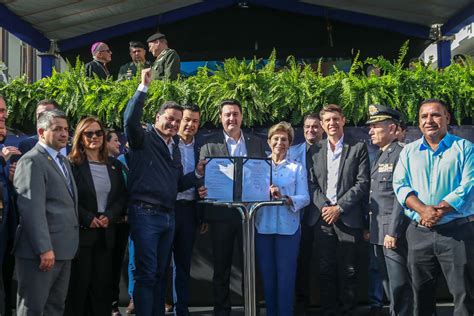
column 278, row 227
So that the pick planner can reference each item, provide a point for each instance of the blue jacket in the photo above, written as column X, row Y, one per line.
column 154, row 176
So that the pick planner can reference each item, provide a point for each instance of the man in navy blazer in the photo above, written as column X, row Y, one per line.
column 155, row 178
column 339, row 180
column 312, row 132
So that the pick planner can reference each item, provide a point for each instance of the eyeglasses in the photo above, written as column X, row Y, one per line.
column 98, row 133
column 105, row 50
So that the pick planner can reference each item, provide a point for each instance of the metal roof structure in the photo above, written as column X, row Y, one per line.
column 75, row 23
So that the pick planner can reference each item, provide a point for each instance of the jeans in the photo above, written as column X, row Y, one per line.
column 131, row 267
column 152, row 232
column 277, row 257
column 183, row 243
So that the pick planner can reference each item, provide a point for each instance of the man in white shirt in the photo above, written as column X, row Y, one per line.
column 186, row 217
column 339, row 180
column 225, row 223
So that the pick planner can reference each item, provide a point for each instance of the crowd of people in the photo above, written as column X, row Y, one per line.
column 70, row 208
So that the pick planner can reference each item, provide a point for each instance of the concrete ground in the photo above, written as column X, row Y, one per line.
column 444, row 309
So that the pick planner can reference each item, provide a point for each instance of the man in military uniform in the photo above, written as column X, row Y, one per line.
column 167, row 63
column 387, row 220
column 137, row 53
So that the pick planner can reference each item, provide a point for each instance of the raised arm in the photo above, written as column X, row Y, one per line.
column 134, row 111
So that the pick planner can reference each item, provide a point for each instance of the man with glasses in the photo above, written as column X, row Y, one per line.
column 101, row 56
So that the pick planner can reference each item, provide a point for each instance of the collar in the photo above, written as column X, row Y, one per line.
column 52, row 152
column 191, row 144
column 339, row 144
column 171, row 141
column 444, row 143
column 227, row 137
column 163, row 52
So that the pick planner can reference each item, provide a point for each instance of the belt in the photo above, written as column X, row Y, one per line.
column 450, row 225
column 151, row 206
column 186, row 202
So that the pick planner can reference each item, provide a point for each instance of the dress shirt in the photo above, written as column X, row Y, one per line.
column 54, row 155
column 291, row 179
column 189, row 163
column 236, row 148
column 445, row 174
column 333, row 160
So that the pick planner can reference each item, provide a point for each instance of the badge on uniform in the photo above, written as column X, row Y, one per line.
column 385, row 167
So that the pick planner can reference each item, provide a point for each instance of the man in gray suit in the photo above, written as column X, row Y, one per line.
column 48, row 235
column 226, row 223
column 388, row 222
column 339, row 180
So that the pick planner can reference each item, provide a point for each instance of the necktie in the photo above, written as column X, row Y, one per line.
column 66, row 173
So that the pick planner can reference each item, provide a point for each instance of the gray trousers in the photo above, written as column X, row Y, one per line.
column 41, row 293
column 393, row 269
column 446, row 249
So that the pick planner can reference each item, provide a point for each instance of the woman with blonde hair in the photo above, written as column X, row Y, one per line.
column 278, row 227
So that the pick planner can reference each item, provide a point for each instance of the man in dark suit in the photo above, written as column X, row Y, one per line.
column 388, row 222
column 48, row 234
column 339, row 186
column 226, row 223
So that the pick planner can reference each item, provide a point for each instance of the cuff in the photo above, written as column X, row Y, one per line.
column 455, row 201
column 403, row 195
column 142, row 88
column 197, row 175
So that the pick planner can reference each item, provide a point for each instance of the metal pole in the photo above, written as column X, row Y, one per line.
column 248, row 240
column 249, row 267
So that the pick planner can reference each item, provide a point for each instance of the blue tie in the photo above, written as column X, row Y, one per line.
column 66, row 173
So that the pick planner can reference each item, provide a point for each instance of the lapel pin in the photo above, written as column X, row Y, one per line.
column 50, row 159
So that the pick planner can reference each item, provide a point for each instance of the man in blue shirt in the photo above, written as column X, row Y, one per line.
column 433, row 182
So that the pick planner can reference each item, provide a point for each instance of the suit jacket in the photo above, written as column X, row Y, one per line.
column 48, row 211
column 352, row 185
column 298, row 153
column 386, row 214
column 215, row 146
column 116, row 203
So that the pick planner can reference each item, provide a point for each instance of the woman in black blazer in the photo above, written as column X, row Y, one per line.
column 102, row 201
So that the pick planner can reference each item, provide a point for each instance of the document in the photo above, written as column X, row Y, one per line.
column 219, row 179
column 256, row 180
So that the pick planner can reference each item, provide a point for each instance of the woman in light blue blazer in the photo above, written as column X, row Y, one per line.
column 278, row 227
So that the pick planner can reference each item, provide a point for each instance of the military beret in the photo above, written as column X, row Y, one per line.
column 378, row 113
column 155, row 37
